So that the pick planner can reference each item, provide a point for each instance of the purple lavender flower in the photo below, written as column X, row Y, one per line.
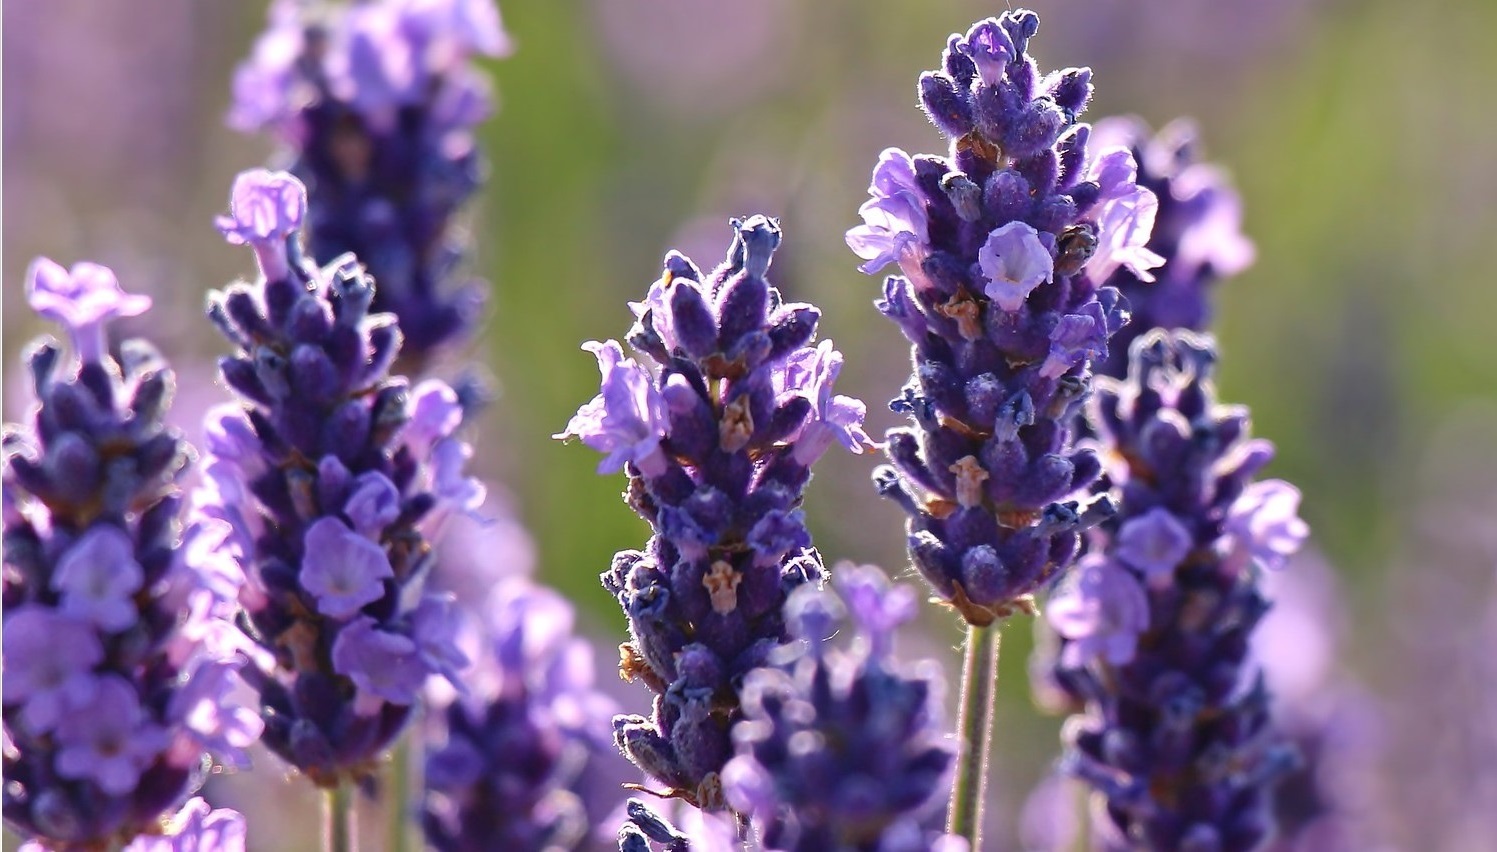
column 1196, row 234
column 718, row 444
column 841, row 749
column 331, row 474
column 377, row 102
column 115, row 616
column 503, row 756
column 996, row 243
column 1176, row 733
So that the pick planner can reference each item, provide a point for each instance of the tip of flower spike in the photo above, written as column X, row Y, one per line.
column 81, row 300
column 264, row 206
column 754, row 243
column 265, row 210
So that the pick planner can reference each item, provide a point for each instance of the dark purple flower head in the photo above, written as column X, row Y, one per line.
column 331, row 474
column 841, row 749
column 116, row 614
column 503, row 758
column 82, row 301
column 717, row 431
column 1001, row 245
column 377, row 102
column 1196, row 237
column 1176, row 732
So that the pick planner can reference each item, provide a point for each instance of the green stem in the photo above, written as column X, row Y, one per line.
column 339, row 832
column 400, row 794
column 974, row 734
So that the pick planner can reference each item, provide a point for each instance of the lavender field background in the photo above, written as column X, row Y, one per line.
column 1357, row 133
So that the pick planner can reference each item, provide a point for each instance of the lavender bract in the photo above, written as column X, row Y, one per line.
column 1197, row 233
column 376, row 103
column 120, row 657
column 842, row 748
column 1176, row 733
column 1002, row 245
column 718, row 444
column 330, row 473
column 498, row 771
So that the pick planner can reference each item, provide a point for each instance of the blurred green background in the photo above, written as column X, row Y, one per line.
column 1359, row 133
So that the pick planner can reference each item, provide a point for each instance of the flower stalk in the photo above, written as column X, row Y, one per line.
column 974, row 733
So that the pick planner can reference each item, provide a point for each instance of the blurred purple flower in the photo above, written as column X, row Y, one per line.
column 98, row 577
column 1101, row 612
column 107, row 739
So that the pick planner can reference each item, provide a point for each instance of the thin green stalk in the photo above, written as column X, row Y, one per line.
column 974, row 734
column 400, row 794
column 339, row 826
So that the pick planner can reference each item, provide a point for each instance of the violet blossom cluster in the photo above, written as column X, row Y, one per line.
column 120, row 656
column 1197, row 233
column 500, row 763
column 841, row 747
column 718, row 444
column 1176, row 733
column 1004, row 247
column 376, row 103
column 331, row 473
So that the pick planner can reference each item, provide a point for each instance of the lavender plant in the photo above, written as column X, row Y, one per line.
column 375, row 103
column 1197, row 233
column 331, row 473
column 1004, row 246
column 718, row 445
column 499, row 769
column 841, row 748
column 1176, row 733
column 120, row 660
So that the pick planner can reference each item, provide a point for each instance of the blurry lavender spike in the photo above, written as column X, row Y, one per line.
column 1176, row 733
column 1327, row 803
column 998, row 244
column 121, row 656
column 718, row 444
column 502, row 756
column 841, row 748
column 333, row 475
column 377, row 103
column 1197, row 232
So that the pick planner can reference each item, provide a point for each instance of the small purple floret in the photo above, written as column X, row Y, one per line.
column 97, row 578
column 107, row 739
column 1154, row 543
column 343, row 570
column 626, row 419
column 81, row 300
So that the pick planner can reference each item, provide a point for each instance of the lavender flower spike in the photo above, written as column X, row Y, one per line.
column 120, row 655
column 1176, row 732
column 996, row 242
column 1197, row 234
column 841, row 748
column 503, row 756
column 717, row 440
column 377, row 102
column 331, row 474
